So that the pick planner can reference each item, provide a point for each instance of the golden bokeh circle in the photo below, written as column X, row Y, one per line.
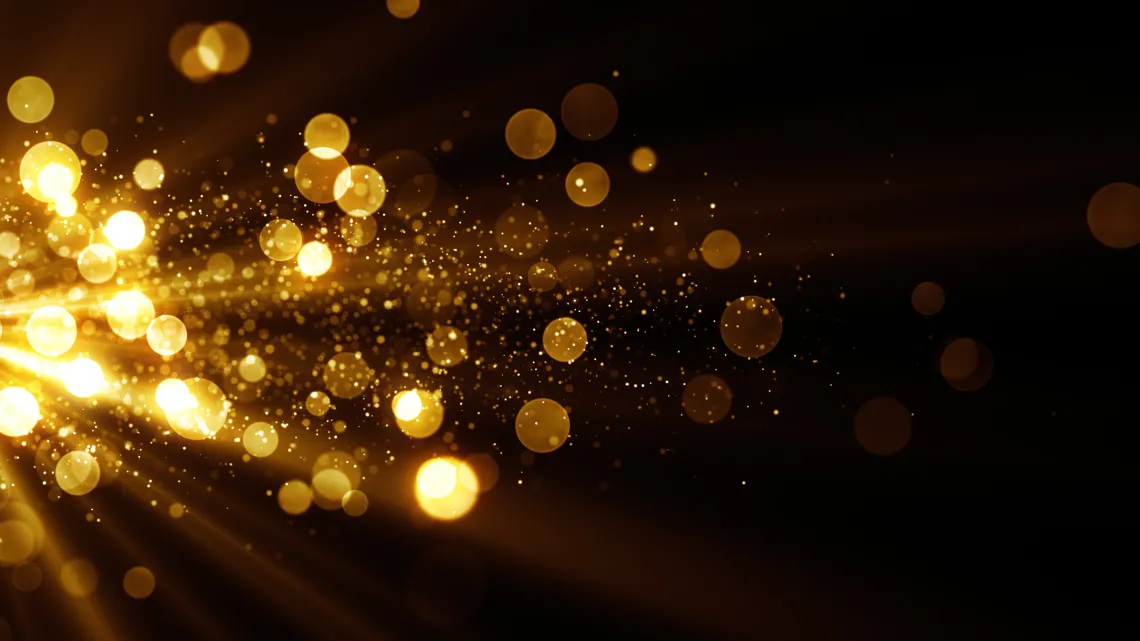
column 720, row 249
column 19, row 412
column 97, row 263
column 125, row 230
column 750, row 326
column 361, row 191
column 418, row 413
column 521, row 232
column 882, row 426
column 94, row 142
column 707, row 399
column 51, row 330
column 166, row 335
column 281, row 239
column 138, row 582
column 928, row 298
column 329, row 487
column 21, row 282
column 30, row 99
column 354, row 503
column 403, row 9
column 589, row 111
column 643, row 160
column 77, row 473
column 447, row 346
column 446, row 488
column 78, row 577
column 357, row 231
column 542, row 425
column 318, row 403
column 204, row 416
column 966, row 364
column 314, row 259
column 587, row 184
column 542, row 276
column 129, row 314
column 149, row 174
column 564, row 339
column 83, row 377
column 260, row 439
column 531, row 134
column 295, row 497
column 252, row 368
column 327, row 133
column 1114, row 215
column 347, row 375
column 68, row 235
column 316, row 175
column 49, row 171
column 223, row 47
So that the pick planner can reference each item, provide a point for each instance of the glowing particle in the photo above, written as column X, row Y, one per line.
column 280, row 239
column 53, row 165
column 125, row 230
column 19, row 411
column 129, row 314
column 149, row 174
column 720, row 249
column 260, row 439
column 643, row 160
column 172, row 395
column 30, row 99
column 51, row 330
column 447, row 346
column 97, row 263
column 418, row 413
column 94, row 142
column 252, row 368
column 530, row 134
column 295, row 497
column 564, row 339
column 327, row 135
column 82, row 377
column 203, row 414
column 166, row 335
column 446, row 488
column 542, row 425
column 77, row 473
column 314, row 259
column 587, row 184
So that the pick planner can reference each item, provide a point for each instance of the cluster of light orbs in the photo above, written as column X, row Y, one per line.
column 201, row 51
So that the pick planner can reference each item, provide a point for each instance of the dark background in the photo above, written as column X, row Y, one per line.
column 872, row 147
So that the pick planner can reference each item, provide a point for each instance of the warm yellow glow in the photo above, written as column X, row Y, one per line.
column 327, row 135
column 318, row 403
column 260, row 439
column 643, row 160
column 94, row 142
column 172, row 395
column 295, row 497
column 129, row 314
column 316, row 175
column 252, row 368
column 720, row 249
column 354, row 503
column 125, row 230
column 19, row 411
column 446, row 488
column 77, row 473
column 52, row 157
column 205, row 416
column 82, row 377
column 587, row 184
column 30, row 99
column 530, row 134
column 542, row 425
column 97, row 263
column 564, row 339
column 280, row 239
column 314, row 259
column 66, row 205
column 166, row 335
column 78, row 577
column 223, row 47
column 51, row 330
column 407, row 405
column 149, row 174
column 447, row 346
column 361, row 191
column 9, row 244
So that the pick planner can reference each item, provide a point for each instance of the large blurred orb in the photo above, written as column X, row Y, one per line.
column 928, row 298
column 589, row 111
column 1114, row 215
column 447, row 346
column 252, row 368
column 94, row 142
column 53, row 165
column 966, row 364
column 327, row 135
column 129, row 314
column 78, row 577
column 318, row 403
column 295, row 497
column 354, row 503
column 530, row 134
column 19, row 411
column 329, row 488
column 314, row 259
column 173, row 395
column 97, row 263
column 138, row 582
column 184, row 52
column 30, row 99
column 281, row 239
column 260, row 439
column 750, row 326
column 77, row 473
column 223, row 47
column 542, row 276
column 587, row 184
column 51, row 330
column 446, row 488
column 521, row 231
column 542, row 425
column 643, row 160
column 82, row 377
column 418, row 413
column 316, row 175
column 68, row 235
column 21, row 282
column 125, row 230
column 356, row 231
column 576, row 273
column 564, row 339
column 166, row 335
column 347, row 375
column 720, row 249
column 361, row 191
column 9, row 245
column 707, row 399
column 882, row 426
column 203, row 417
column 149, row 174
column 403, row 9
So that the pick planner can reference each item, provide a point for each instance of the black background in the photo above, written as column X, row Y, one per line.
column 872, row 147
